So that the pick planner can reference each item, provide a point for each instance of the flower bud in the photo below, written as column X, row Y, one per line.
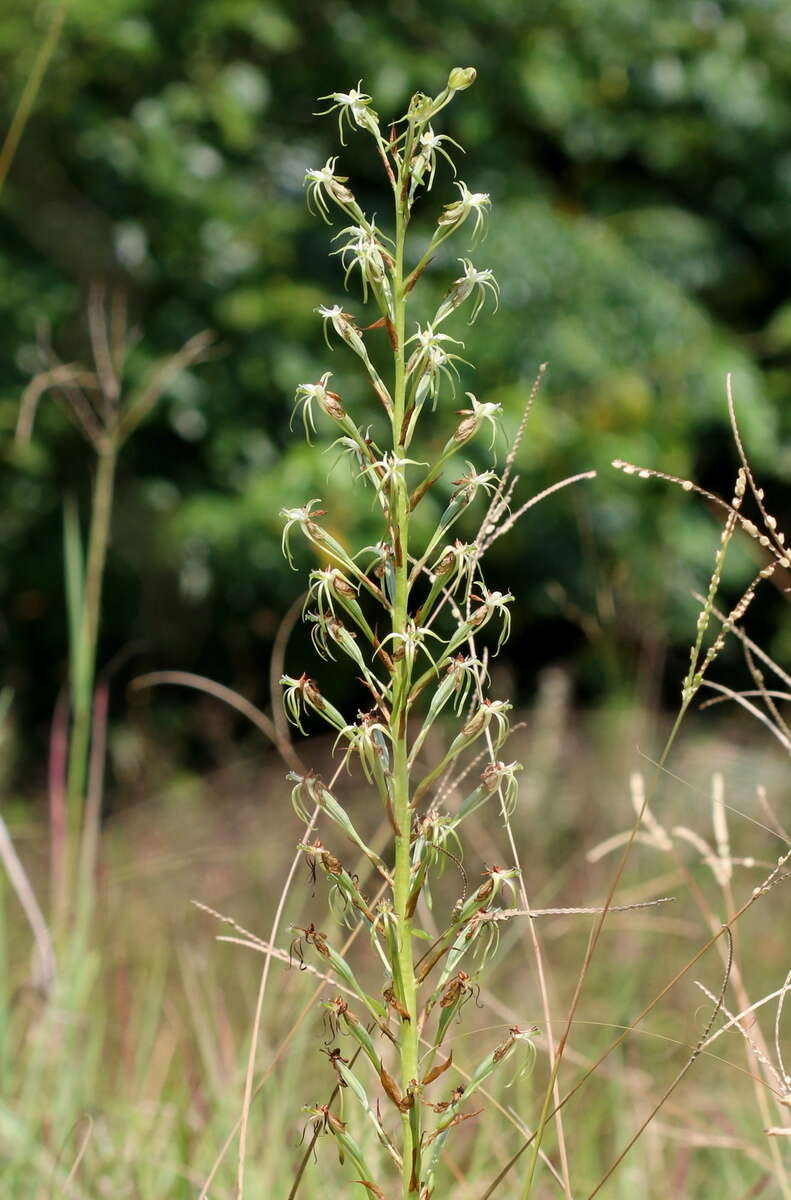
column 461, row 78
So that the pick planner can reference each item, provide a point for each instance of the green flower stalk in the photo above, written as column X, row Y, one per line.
column 406, row 615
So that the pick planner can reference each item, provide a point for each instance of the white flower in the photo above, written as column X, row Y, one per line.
column 425, row 161
column 328, row 402
column 474, row 417
column 352, row 107
column 500, row 776
column 364, row 250
column 304, row 517
column 462, row 288
column 343, row 324
column 430, row 361
column 456, row 214
column 410, row 641
column 389, row 469
column 323, row 182
column 489, row 712
column 491, row 603
column 467, row 485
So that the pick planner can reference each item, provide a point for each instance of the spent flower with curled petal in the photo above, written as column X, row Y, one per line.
column 437, row 829
column 323, row 540
column 472, row 281
column 462, row 674
column 323, row 626
column 473, row 417
column 487, row 713
column 382, row 566
column 294, row 697
column 354, row 108
column 496, row 880
column 455, row 214
column 325, row 587
column 322, row 183
column 327, row 631
column 496, row 777
column 385, row 917
column 425, row 161
column 308, row 792
column 455, row 563
column 365, row 250
column 329, row 403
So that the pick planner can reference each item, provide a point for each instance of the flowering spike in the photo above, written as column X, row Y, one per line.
column 406, row 610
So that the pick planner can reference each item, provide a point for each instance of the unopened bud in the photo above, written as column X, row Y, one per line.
column 461, row 78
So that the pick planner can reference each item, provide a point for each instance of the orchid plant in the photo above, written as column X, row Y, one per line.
column 407, row 616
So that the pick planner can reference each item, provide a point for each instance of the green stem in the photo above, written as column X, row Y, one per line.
column 436, row 242
column 407, row 1041
column 84, row 655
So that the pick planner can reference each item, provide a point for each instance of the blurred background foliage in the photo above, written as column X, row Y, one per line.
column 638, row 160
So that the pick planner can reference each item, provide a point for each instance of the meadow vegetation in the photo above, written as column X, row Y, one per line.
column 556, row 972
column 512, row 919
